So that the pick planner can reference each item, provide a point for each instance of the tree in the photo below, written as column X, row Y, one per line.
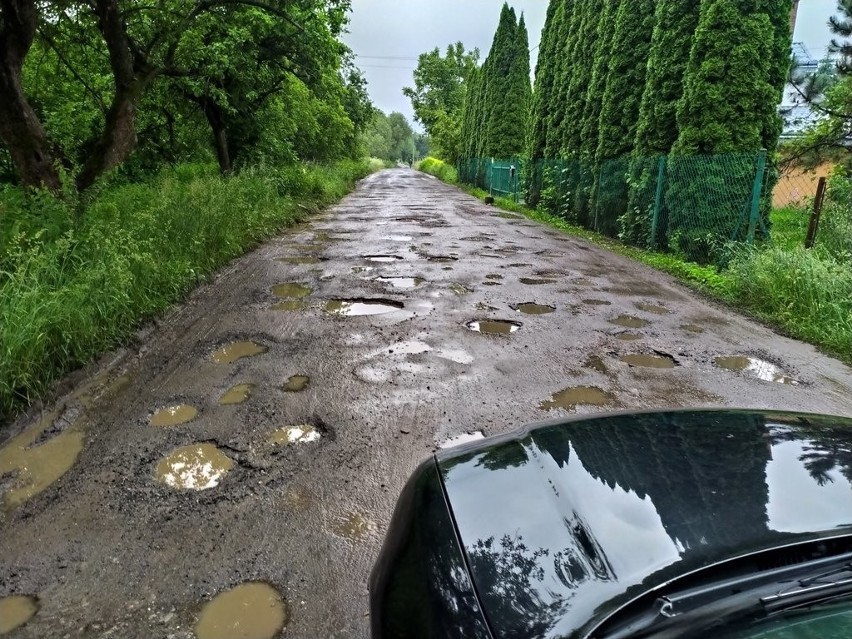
column 569, row 24
column 498, row 133
column 438, row 96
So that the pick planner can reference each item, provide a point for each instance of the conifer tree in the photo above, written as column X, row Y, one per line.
column 568, row 30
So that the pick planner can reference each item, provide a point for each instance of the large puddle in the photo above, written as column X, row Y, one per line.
column 252, row 610
column 15, row 611
column 464, row 438
column 494, row 327
column 639, row 360
column 173, row 415
column 194, row 467
column 529, row 308
column 239, row 394
column 231, row 353
column 291, row 290
column 401, row 282
column 628, row 321
column 37, row 467
column 303, row 434
column 353, row 526
column 359, row 307
column 570, row 398
column 296, row 383
column 755, row 367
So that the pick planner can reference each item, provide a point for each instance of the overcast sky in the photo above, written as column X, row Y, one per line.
column 388, row 35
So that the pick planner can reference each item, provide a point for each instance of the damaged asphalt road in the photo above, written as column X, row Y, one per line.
column 253, row 443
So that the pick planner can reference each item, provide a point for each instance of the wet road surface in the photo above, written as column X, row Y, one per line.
column 251, row 445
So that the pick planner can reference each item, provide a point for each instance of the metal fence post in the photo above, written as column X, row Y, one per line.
column 813, row 226
column 658, row 200
column 755, row 195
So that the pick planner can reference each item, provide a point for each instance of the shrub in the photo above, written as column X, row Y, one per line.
column 440, row 169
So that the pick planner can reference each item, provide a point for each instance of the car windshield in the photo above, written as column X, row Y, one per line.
column 831, row 621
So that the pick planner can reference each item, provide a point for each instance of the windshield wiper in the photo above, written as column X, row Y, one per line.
column 823, row 587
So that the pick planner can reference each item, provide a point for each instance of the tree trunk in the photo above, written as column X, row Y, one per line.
column 216, row 118
column 20, row 129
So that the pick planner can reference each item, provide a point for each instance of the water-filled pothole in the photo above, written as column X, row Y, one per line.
column 353, row 526
column 494, row 327
column 290, row 306
column 252, row 610
column 359, row 307
column 536, row 281
column 383, row 259
column 570, row 398
column 596, row 364
column 464, row 438
column 292, row 290
column 494, row 276
column 302, row 434
column 652, row 308
column 492, row 283
column 36, row 467
column 519, row 265
column 401, row 282
column 173, row 415
column 627, row 336
column 459, row 289
column 441, row 258
column 397, row 238
column 692, row 328
column 530, row 308
column 296, row 383
column 755, row 367
column 628, row 321
column 194, row 467
column 231, row 353
column 239, row 394
column 593, row 302
column 641, row 360
column 15, row 611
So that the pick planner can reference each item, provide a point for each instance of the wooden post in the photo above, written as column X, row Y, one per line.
column 813, row 226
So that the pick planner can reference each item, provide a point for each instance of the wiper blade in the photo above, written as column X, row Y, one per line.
column 813, row 589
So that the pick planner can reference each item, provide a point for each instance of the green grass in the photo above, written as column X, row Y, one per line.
column 73, row 285
column 806, row 294
column 440, row 169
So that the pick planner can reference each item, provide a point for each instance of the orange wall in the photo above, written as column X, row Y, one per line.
column 797, row 186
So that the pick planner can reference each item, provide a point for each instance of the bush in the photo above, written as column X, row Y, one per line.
column 72, row 286
column 440, row 169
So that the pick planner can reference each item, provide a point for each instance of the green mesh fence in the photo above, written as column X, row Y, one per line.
column 696, row 206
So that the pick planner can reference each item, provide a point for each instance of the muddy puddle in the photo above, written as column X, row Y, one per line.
column 173, row 415
column 494, row 327
column 755, row 367
column 653, row 308
column 628, row 321
column 402, row 282
column 35, row 467
column 353, row 526
column 458, row 289
column 492, row 283
column 464, row 438
column 239, row 394
column 296, row 384
column 252, row 610
column 627, row 336
column 291, row 290
column 302, row 259
column 193, row 467
column 303, row 434
column 441, row 259
column 15, row 611
column 494, row 276
column 231, row 353
column 531, row 308
column 362, row 307
column 596, row 364
column 536, row 281
column 383, row 259
column 290, row 306
column 641, row 360
column 397, row 238
column 593, row 302
column 570, row 398
column 519, row 265
column 692, row 328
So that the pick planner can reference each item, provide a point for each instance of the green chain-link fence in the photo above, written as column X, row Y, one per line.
column 501, row 178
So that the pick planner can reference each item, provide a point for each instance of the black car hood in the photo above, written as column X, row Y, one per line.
column 564, row 523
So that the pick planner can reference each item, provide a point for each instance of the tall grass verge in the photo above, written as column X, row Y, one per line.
column 440, row 169
column 76, row 280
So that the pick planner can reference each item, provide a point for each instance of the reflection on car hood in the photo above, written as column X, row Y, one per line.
column 564, row 523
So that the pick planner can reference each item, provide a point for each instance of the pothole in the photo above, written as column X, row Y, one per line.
column 412, row 347
column 458, row 289
column 627, row 336
column 239, row 394
column 494, row 276
column 296, row 384
column 397, row 238
column 519, row 265
column 302, row 259
column 360, row 307
column 628, row 321
column 302, row 434
column 231, row 353
column 353, row 526
column 194, row 467
column 441, row 258
column 755, row 367
column 173, row 415
column 447, row 268
column 596, row 364
column 290, row 306
column 594, row 302
column 401, row 282
column 536, row 281
column 291, row 290
column 530, row 308
column 36, row 467
column 252, row 610
column 464, row 438
column 692, row 328
column 491, row 283
column 15, row 611
column 640, row 360
column 494, row 327
column 652, row 308
column 383, row 259
column 570, row 398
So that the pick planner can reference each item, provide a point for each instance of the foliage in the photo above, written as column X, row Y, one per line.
column 440, row 169
column 70, row 289
column 438, row 96
column 390, row 138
